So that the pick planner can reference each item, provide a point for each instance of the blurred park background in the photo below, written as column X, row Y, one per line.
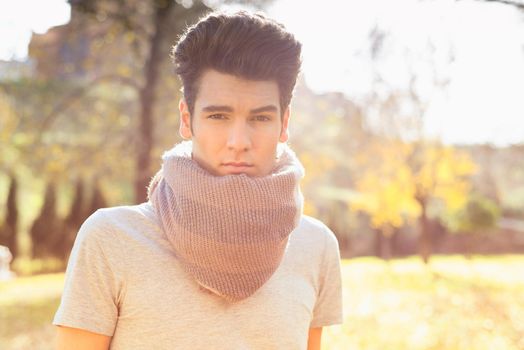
column 408, row 117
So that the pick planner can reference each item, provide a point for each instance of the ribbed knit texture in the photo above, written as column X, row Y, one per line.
column 229, row 232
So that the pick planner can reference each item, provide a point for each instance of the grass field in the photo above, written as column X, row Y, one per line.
column 455, row 303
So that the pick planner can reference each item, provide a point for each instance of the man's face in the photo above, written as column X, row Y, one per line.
column 236, row 124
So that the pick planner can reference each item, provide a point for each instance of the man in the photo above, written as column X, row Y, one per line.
column 220, row 257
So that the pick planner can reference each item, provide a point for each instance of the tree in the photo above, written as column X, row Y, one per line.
column 46, row 231
column 479, row 214
column 440, row 173
column 402, row 180
column 9, row 231
column 97, row 199
column 8, row 126
column 407, row 173
column 77, row 213
column 386, row 189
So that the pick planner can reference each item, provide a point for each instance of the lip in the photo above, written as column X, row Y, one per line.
column 237, row 168
column 241, row 164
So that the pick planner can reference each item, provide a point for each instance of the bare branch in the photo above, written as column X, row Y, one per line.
column 516, row 3
column 78, row 93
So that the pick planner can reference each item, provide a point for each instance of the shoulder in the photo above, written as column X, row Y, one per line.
column 122, row 214
column 313, row 224
column 315, row 228
column 105, row 223
column 314, row 232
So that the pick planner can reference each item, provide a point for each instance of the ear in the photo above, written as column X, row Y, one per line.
column 185, row 120
column 284, row 132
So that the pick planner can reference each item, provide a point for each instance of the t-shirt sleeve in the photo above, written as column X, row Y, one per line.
column 328, row 309
column 92, row 282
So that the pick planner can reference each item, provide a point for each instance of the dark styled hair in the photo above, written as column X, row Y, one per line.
column 250, row 46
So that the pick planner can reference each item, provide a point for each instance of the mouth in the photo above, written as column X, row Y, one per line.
column 238, row 164
column 237, row 168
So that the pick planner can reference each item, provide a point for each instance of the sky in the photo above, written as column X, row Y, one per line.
column 19, row 17
column 482, row 102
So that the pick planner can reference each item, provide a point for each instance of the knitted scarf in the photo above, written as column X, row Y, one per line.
column 229, row 232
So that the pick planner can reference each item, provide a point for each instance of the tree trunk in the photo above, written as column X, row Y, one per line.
column 10, row 230
column 147, row 100
column 395, row 242
column 386, row 247
column 378, row 243
column 383, row 245
column 424, row 237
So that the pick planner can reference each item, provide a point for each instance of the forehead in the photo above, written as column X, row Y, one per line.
column 218, row 88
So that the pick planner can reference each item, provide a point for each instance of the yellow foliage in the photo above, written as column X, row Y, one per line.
column 309, row 208
column 315, row 166
column 447, row 170
column 399, row 174
column 388, row 200
column 123, row 70
column 8, row 120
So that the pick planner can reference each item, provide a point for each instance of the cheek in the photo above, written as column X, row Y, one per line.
column 271, row 131
column 208, row 140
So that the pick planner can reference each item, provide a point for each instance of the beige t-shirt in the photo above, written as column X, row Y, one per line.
column 123, row 281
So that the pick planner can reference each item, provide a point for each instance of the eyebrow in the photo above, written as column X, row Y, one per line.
column 217, row 108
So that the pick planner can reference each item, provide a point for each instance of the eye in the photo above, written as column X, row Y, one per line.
column 217, row 116
column 262, row 118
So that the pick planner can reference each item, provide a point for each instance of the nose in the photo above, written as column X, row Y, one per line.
column 239, row 138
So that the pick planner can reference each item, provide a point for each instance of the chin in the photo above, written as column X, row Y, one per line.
column 239, row 172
